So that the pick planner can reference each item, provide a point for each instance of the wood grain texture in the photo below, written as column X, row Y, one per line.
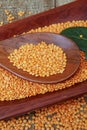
column 73, row 11
column 68, row 46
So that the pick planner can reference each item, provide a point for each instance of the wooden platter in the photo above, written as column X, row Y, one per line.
column 74, row 11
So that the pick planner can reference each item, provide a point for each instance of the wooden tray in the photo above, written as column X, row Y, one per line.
column 74, row 11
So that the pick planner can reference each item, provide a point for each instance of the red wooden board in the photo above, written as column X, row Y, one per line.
column 74, row 11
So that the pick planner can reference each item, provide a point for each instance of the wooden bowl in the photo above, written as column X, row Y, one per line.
column 68, row 46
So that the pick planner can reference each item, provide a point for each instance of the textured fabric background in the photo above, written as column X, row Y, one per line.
column 28, row 6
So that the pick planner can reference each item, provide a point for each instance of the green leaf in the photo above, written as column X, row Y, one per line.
column 78, row 35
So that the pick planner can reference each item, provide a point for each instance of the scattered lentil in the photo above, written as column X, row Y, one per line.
column 21, row 13
column 40, row 59
column 81, row 36
column 66, row 116
column 30, row 12
column 1, row 23
column 7, row 12
column 10, row 16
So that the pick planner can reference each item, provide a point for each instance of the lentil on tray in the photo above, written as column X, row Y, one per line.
column 71, row 115
column 13, row 87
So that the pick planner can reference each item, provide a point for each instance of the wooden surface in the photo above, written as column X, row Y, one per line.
column 20, row 107
column 28, row 6
column 74, row 11
column 68, row 46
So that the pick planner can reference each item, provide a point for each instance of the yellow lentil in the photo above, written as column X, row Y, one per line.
column 30, row 12
column 66, row 116
column 7, row 12
column 81, row 36
column 21, row 13
column 12, row 87
column 10, row 16
column 39, row 59
column 1, row 23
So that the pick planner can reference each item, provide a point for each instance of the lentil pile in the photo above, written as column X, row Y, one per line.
column 39, row 59
column 71, row 115
column 13, row 87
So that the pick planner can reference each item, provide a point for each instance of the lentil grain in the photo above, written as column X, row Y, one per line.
column 69, row 115
column 40, row 59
